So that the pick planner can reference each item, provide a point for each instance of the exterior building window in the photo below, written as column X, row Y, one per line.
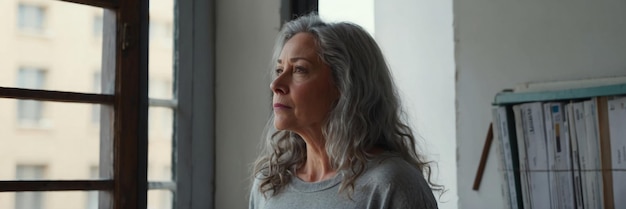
column 161, row 119
column 30, row 112
column 119, row 117
column 29, row 200
column 92, row 196
column 97, row 26
column 95, row 109
column 31, row 18
column 161, row 31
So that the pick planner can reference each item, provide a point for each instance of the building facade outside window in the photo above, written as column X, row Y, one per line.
column 29, row 200
column 64, row 74
column 30, row 113
column 31, row 18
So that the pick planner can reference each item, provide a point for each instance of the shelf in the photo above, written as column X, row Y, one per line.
column 507, row 98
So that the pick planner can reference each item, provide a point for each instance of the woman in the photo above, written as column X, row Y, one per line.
column 336, row 138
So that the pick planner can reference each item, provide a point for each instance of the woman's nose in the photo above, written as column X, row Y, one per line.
column 278, row 86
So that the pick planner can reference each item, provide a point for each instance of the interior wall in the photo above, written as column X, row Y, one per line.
column 417, row 40
column 502, row 43
column 246, row 30
column 361, row 12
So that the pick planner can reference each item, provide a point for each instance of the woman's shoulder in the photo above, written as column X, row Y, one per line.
column 390, row 176
column 394, row 172
column 391, row 167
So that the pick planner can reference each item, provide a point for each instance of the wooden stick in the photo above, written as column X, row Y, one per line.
column 483, row 158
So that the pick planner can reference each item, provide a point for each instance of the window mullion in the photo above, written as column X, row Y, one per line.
column 97, row 3
column 57, row 96
column 48, row 185
column 131, row 107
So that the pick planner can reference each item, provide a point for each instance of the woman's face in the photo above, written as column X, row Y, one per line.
column 303, row 89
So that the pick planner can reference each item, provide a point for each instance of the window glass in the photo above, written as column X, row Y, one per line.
column 51, row 45
column 160, row 199
column 30, row 112
column 95, row 109
column 97, row 25
column 30, row 77
column 160, row 88
column 161, row 151
column 161, row 82
column 29, row 200
column 92, row 196
column 43, row 200
column 160, row 125
column 31, row 18
column 64, row 140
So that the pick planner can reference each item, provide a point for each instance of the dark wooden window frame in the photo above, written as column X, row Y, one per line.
column 124, row 130
column 123, row 133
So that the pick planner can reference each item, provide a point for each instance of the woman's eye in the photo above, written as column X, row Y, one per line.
column 299, row 69
column 279, row 71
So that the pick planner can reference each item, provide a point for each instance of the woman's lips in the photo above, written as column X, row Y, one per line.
column 281, row 106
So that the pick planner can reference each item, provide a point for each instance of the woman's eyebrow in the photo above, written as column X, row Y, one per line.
column 293, row 59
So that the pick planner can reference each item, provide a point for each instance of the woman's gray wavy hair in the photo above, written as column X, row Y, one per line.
column 368, row 113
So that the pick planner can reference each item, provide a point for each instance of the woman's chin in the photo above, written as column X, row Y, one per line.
column 283, row 125
column 280, row 127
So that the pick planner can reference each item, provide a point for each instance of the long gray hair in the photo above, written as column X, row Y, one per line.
column 367, row 115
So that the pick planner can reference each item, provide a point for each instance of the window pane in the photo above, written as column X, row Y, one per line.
column 161, row 82
column 30, row 17
column 92, row 196
column 29, row 172
column 160, row 88
column 160, row 199
column 161, row 49
column 51, row 45
column 47, row 200
column 160, row 124
column 61, row 143
column 29, row 199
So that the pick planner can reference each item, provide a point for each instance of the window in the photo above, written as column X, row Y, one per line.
column 30, row 111
column 122, row 96
column 29, row 200
column 160, row 88
column 160, row 118
column 161, row 30
column 95, row 109
column 31, row 18
column 31, row 78
column 66, row 90
column 97, row 25
column 92, row 196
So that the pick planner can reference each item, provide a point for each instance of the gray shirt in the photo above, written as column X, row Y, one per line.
column 389, row 182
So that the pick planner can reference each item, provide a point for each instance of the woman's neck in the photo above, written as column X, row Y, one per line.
column 317, row 166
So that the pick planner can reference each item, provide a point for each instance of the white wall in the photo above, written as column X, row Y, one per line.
column 361, row 12
column 246, row 30
column 417, row 39
column 502, row 43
